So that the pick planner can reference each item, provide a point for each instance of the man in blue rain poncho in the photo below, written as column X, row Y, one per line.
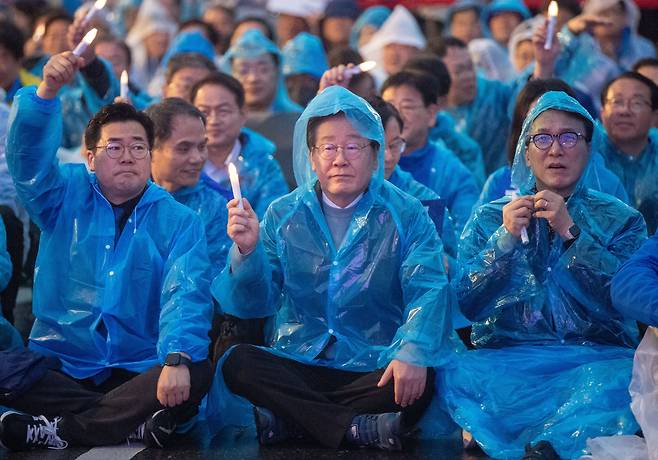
column 553, row 360
column 304, row 62
column 179, row 153
column 414, row 95
column 221, row 99
column 473, row 99
column 9, row 336
column 351, row 269
column 256, row 63
column 121, row 289
column 630, row 143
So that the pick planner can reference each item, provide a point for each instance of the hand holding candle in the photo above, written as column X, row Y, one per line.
column 235, row 184
column 85, row 43
column 514, row 194
column 552, row 21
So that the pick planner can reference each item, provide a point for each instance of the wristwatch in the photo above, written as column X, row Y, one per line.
column 176, row 359
column 573, row 232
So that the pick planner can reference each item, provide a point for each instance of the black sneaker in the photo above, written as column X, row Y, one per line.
column 26, row 432
column 543, row 450
column 156, row 431
column 377, row 430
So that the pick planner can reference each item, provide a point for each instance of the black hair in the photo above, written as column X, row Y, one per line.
column 646, row 62
column 528, row 94
column 268, row 27
column 386, row 111
column 653, row 89
column 422, row 82
column 211, row 33
column 54, row 16
column 225, row 81
column 440, row 47
column 116, row 113
column 109, row 38
column 163, row 114
column 185, row 60
column 12, row 39
column 431, row 63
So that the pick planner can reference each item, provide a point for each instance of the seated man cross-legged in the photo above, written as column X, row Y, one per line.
column 121, row 288
column 351, row 270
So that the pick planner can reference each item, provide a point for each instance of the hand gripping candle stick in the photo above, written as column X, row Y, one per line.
column 514, row 194
column 96, row 7
column 124, row 85
column 552, row 19
column 87, row 40
column 235, row 184
column 363, row 67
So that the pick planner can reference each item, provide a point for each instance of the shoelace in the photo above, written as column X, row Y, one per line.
column 46, row 433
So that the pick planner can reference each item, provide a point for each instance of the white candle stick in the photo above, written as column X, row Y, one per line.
column 552, row 20
column 365, row 66
column 514, row 194
column 85, row 43
column 235, row 184
column 95, row 8
column 124, row 85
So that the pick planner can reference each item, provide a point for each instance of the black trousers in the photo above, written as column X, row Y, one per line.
column 321, row 401
column 14, row 229
column 105, row 414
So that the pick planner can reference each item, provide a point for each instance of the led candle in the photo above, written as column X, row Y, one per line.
column 365, row 66
column 124, row 85
column 552, row 20
column 97, row 6
column 514, row 194
column 235, row 184
column 86, row 42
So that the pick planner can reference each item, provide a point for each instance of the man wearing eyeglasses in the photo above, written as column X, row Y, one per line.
column 536, row 271
column 630, row 144
column 121, row 290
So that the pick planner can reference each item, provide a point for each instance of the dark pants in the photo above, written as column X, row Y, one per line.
column 105, row 414
column 14, row 229
column 321, row 401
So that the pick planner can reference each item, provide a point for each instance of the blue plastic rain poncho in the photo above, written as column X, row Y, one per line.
column 555, row 358
column 635, row 286
column 191, row 41
column 9, row 336
column 437, row 168
column 210, row 206
column 632, row 47
column 504, row 6
column 254, row 44
column 100, row 304
column 490, row 104
column 491, row 59
column 639, row 175
column 304, row 54
column 261, row 179
column 466, row 149
column 381, row 295
column 374, row 16
column 598, row 177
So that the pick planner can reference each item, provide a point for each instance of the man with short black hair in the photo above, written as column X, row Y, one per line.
column 121, row 295
column 630, row 144
column 183, row 71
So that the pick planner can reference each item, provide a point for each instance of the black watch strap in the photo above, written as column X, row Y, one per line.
column 176, row 359
column 574, row 232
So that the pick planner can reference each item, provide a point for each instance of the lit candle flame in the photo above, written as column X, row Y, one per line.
column 367, row 66
column 552, row 9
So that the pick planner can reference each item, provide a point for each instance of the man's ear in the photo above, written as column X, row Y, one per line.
column 91, row 160
column 432, row 110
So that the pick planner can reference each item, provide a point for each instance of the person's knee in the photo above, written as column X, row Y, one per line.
column 235, row 368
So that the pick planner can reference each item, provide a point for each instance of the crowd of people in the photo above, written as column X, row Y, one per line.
column 339, row 225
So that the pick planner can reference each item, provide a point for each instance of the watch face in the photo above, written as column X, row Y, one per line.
column 173, row 359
